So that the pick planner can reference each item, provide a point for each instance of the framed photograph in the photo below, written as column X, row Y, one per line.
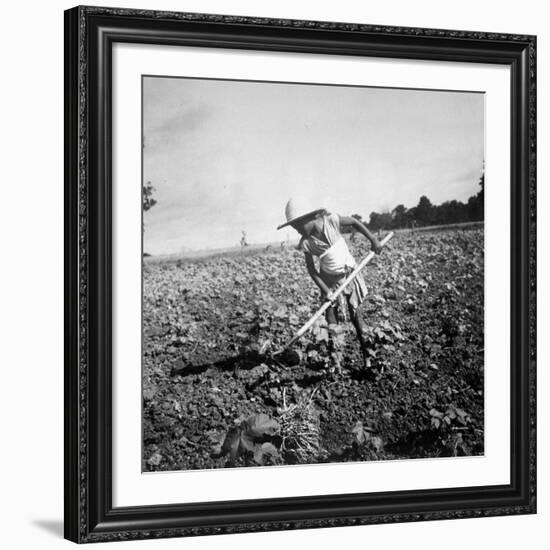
column 300, row 265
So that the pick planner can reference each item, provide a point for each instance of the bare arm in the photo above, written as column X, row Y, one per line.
column 362, row 228
column 314, row 274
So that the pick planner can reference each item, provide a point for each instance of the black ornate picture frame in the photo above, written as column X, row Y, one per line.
column 90, row 33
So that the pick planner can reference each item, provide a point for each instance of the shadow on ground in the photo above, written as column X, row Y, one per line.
column 52, row 526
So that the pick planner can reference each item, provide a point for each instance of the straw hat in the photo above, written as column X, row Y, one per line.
column 296, row 210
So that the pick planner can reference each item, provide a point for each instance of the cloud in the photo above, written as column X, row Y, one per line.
column 176, row 126
column 187, row 120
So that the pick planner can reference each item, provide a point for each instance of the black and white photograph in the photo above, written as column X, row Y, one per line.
column 274, row 275
column 300, row 282
column 313, row 273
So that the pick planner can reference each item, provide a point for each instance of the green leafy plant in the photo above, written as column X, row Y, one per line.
column 211, row 324
column 449, row 425
column 249, row 439
column 452, row 416
column 365, row 436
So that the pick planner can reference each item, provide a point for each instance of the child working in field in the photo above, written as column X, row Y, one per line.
column 322, row 237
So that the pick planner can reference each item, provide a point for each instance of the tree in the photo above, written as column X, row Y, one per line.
column 424, row 211
column 475, row 204
column 451, row 212
column 401, row 216
column 148, row 200
column 380, row 221
column 481, row 196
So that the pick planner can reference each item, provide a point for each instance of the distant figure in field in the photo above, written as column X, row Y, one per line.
column 243, row 239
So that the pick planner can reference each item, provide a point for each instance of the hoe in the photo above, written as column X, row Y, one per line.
column 293, row 357
column 285, row 355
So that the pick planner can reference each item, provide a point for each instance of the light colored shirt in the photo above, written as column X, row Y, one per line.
column 332, row 251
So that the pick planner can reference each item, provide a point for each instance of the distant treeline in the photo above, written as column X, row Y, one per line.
column 426, row 213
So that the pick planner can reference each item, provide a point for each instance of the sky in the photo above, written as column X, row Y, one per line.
column 225, row 156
